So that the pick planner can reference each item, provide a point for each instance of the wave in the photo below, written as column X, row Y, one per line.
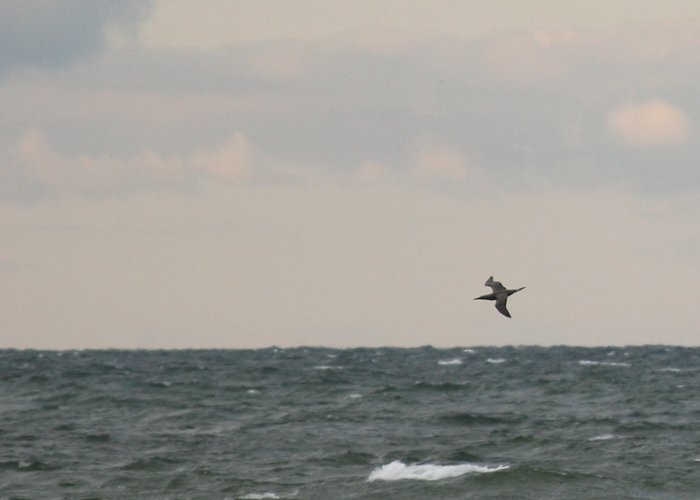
column 265, row 496
column 586, row 362
column 450, row 362
column 495, row 360
column 602, row 437
column 396, row 471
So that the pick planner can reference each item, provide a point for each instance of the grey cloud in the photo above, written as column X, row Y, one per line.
column 528, row 108
column 51, row 33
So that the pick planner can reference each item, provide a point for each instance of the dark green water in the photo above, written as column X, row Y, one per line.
column 496, row 423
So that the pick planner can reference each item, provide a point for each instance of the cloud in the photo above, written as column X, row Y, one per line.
column 52, row 33
column 650, row 123
column 85, row 174
column 435, row 161
column 278, row 62
column 526, row 57
column 232, row 162
column 370, row 172
column 518, row 110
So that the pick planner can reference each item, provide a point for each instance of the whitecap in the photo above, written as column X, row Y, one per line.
column 470, row 351
column 326, row 367
column 670, row 370
column 495, row 360
column 586, row 362
column 602, row 437
column 259, row 496
column 397, row 470
column 355, row 396
column 450, row 362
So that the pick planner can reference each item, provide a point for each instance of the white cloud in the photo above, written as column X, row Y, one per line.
column 93, row 175
column 279, row 61
column 215, row 23
column 232, row 162
column 432, row 160
column 522, row 109
column 525, row 58
column 650, row 123
column 369, row 172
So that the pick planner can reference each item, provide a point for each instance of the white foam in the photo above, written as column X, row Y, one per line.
column 396, row 471
column 355, row 396
column 450, row 362
column 586, row 362
column 470, row 351
column 259, row 496
column 670, row 370
column 496, row 360
column 326, row 367
column 602, row 437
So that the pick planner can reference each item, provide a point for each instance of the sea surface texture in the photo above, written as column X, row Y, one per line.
column 311, row 423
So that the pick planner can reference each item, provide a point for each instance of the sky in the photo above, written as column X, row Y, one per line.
column 253, row 173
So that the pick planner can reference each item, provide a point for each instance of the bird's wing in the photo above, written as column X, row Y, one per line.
column 501, row 305
column 496, row 286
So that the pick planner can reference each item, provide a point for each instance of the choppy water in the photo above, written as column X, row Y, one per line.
column 496, row 423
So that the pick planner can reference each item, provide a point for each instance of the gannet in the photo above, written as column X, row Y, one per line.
column 500, row 294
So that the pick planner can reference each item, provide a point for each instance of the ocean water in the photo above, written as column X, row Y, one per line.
column 314, row 423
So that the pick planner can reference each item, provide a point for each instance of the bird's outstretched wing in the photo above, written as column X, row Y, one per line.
column 501, row 305
column 496, row 286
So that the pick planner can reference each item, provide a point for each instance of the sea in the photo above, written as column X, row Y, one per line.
column 517, row 422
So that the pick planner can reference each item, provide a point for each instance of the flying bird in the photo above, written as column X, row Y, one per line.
column 500, row 294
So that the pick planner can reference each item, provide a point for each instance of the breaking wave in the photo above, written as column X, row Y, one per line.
column 396, row 471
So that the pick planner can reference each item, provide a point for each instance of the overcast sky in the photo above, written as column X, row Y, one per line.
column 249, row 173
